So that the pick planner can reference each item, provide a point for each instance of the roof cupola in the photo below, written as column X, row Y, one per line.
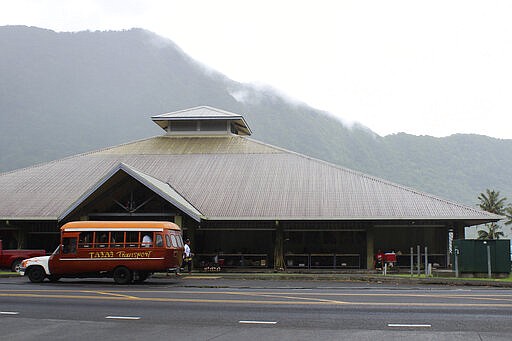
column 203, row 120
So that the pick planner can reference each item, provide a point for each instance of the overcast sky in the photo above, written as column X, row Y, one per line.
column 422, row 67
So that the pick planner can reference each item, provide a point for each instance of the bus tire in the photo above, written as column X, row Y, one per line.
column 122, row 275
column 15, row 266
column 54, row 278
column 36, row 274
column 142, row 276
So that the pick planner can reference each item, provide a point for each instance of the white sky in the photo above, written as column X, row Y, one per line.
column 421, row 67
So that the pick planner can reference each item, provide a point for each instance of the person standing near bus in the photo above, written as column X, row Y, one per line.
column 187, row 256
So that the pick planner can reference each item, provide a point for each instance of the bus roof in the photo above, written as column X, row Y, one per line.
column 119, row 225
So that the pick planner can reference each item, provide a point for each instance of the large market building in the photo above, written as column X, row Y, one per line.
column 248, row 203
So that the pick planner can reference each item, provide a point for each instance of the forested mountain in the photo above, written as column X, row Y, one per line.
column 66, row 93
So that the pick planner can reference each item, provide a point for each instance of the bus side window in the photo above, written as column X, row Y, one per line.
column 85, row 239
column 132, row 239
column 116, row 239
column 101, row 239
column 168, row 240
column 69, row 245
column 159, row 242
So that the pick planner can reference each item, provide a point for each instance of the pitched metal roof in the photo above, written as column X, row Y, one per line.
column 228, row 178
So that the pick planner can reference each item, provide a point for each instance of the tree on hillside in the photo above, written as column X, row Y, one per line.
column 491, row 202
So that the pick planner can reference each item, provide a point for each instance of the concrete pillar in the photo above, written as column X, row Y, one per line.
column 369, row 247
column 178, row 220
column 191, row 234
column 459, row 232
column 21, row 237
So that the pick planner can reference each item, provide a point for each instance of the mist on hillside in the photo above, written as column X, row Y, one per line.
column 68, row 93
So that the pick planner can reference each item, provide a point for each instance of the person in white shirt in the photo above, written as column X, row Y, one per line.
column 187, row 256
column 146, row 241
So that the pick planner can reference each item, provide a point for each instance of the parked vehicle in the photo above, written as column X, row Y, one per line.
column 11, row 259
column 124, row 250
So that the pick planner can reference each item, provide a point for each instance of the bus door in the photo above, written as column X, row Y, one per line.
column 63, row 262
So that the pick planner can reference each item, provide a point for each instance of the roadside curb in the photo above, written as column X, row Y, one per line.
column 348, row 278
column 371, row 278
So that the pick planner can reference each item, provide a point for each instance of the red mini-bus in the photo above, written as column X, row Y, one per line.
column 125, row 250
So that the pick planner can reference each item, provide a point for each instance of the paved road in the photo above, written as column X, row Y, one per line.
column 197, row 308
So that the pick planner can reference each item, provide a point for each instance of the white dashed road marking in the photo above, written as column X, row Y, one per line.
column 409, row 325
column 257, row 322
column 123, row 317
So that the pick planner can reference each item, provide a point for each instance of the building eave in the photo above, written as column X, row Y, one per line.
column 24, row 218
column 473, row 220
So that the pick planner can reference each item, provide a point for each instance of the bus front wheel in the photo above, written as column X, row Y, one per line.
column 122, row 275
column 36, row 274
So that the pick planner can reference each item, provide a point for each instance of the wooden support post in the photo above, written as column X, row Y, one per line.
column 278, row 248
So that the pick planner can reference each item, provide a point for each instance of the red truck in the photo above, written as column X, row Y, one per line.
column 12, row 258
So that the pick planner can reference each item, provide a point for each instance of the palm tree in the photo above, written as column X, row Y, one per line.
column 508, row 214
column 491, row 202
column 491, row 233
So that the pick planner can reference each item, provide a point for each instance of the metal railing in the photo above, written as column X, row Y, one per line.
column 437, row 259
column 323, row 260
column 233, row 260
column 292, row 260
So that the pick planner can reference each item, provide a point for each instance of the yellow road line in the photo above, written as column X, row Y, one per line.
column 302, row 293
column 125, row 293
column 110, row 294
column 260, row 302
column 290, row 297
column 452, row 295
